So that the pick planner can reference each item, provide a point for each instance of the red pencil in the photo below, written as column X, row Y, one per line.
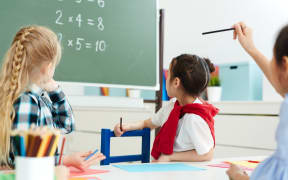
column 62, row 148
column 253, row 161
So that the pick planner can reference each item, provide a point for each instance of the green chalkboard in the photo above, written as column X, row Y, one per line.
column 112, row 42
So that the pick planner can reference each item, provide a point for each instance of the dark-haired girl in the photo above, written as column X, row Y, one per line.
column 276, row 71
column 187, row 124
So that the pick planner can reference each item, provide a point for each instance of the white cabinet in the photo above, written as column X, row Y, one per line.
column 246, row 131
column 246, row 128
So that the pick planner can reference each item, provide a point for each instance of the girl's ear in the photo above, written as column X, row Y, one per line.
column 45, row 68
column 176, row 82
column 285, row 66
column 285, row 62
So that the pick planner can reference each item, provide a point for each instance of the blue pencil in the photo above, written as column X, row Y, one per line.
column 22, row 146
column 92, row 154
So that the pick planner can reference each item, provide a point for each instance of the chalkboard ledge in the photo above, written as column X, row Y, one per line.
column 106, row 101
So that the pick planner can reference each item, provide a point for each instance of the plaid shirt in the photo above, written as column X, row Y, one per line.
column 42, row 108
column 39, row 107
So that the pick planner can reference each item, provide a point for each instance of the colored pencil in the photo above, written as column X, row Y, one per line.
column 55, row 144
column 253, row 161
column 31, row 144
column 62, row 148
column 221, row 30
column 36, row 147
column 49, row 147
column 44, row 144
column 16, row 146
column 121, row 124
column 22, row 146
column 92, row 154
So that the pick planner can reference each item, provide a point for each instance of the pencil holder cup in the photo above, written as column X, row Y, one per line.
column 33, row 168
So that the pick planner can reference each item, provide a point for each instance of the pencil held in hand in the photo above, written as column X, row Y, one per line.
column 92, row 154
column 217, row 31
column 121, row 124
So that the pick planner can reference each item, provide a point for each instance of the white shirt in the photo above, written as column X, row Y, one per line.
column 192, row 132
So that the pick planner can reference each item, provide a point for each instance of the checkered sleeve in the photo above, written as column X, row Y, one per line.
column 62, row 111
column 26, row 112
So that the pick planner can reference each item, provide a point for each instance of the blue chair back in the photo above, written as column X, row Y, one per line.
column 144, row 157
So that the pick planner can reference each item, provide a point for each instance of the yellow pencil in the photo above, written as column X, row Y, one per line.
column 43, row 147
column 55, row 144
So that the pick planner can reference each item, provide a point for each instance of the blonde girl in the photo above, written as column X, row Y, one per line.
column 30, row 95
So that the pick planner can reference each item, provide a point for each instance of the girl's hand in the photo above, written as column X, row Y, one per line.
column 62, row 173
column 77, row 160
column 4, row 168
column 245, row 37
column 50, row 85
column 117, row 130
column 236, row 173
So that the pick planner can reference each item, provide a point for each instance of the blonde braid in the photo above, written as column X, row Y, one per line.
column 12, row 89
column 17, row 63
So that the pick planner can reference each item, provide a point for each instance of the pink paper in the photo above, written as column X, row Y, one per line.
column 225, row 165
column 84, row 178
column 76, row 172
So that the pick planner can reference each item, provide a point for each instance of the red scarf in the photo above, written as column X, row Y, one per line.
column 164, row 141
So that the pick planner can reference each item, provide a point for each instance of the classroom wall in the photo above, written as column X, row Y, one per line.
column 185, row 20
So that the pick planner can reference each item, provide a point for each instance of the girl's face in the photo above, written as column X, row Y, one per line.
column 172, row 86
column 168, row 88
column 51, row 70
column 280, row 76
